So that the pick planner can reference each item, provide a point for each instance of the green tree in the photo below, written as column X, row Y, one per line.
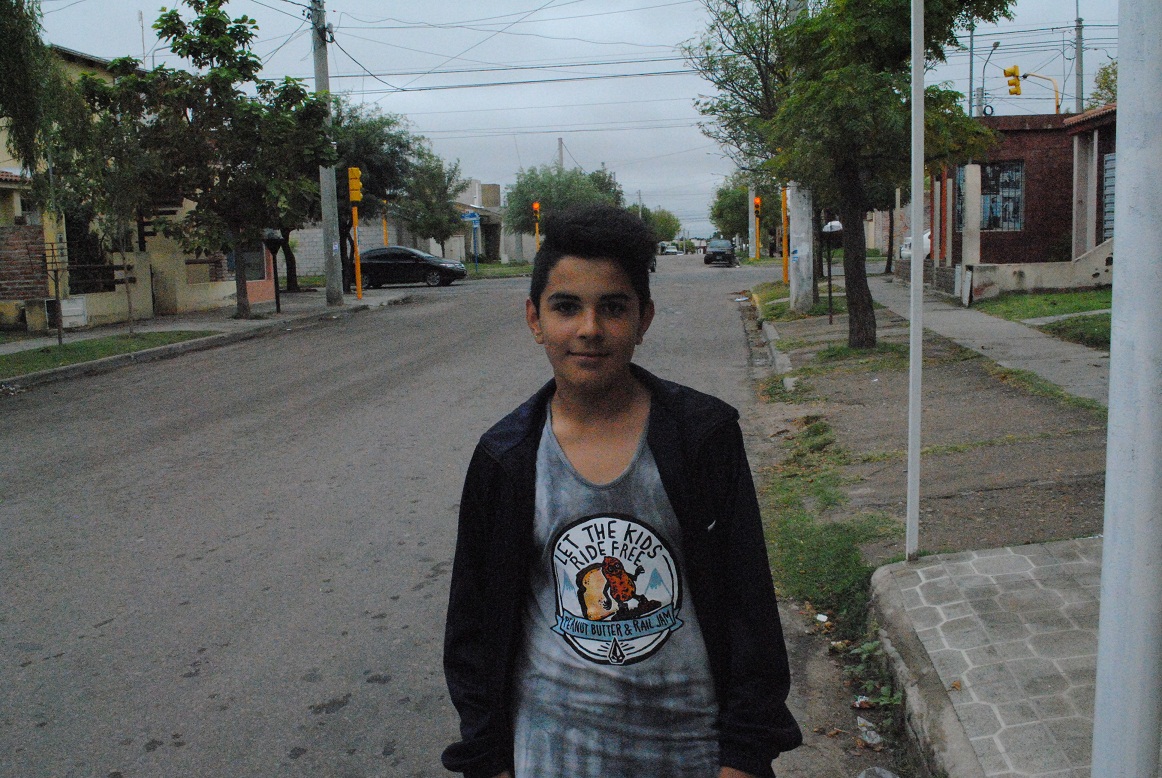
column 728, row 212
column 665, row 224
column 384, row 150
column 1105, row 86
column 102, row 172
column 606, row 183
column 555, row 188
column 236, row 156
column 27, row 66
column 732, row 206
column 743, row 53
column 841, row 118
column 432, row 188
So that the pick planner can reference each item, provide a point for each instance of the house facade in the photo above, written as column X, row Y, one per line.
column 1046, row 193
column 54, row 268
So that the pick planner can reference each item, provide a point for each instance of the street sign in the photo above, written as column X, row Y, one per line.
column 470, row 216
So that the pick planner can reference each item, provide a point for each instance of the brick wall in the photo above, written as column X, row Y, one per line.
column 22, row 270
column 1047, row 152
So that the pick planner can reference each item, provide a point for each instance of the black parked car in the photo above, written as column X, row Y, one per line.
column 402, row 265
column 720, row 250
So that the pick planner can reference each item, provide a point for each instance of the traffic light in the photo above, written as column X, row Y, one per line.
column 758, row 207
column 537, row 211
column 355, row 184
column 1014, row 75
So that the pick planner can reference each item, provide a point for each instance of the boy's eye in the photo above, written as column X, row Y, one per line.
column 565, row 306
column 613, row 308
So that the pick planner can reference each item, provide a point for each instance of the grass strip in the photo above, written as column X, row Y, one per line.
column 496, row 270
column 49, row 357
column 960, row 448
column 812, row 560
column 1092, row 331
column 1017, row 306
column 1034, row 384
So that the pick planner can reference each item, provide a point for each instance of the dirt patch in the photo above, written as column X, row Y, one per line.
column 1000, row 467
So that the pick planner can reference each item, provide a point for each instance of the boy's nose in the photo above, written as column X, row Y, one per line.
column 590, row 324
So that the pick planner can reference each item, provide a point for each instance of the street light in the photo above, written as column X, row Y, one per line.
column 980, row 95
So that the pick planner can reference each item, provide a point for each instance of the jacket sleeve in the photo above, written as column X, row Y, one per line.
column 471, row 655
column 755, row 724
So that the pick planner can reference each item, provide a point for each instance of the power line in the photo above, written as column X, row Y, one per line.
column 339, row 46
column 524, row 82
column 479, row 43
column 467, row 24
column 505, row 68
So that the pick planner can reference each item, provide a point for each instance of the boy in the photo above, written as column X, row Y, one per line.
column 611, row 609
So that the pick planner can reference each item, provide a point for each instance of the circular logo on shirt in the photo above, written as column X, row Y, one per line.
column 618, row 589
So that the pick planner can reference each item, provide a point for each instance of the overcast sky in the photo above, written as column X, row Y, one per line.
column 428, row 60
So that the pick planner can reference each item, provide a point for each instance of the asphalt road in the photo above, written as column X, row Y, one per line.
column 235, row 563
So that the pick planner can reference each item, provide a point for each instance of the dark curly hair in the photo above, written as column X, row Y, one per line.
column 596, row 231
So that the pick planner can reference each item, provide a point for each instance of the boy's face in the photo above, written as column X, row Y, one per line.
column 589, row 322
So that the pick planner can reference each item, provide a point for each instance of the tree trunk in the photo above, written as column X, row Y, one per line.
column 346, row 253
column 891, row 240
column 817, row 272
column 861, row 315
column 242, row 311
column 288, row 258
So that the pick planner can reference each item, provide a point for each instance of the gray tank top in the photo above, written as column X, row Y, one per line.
column 612, row 678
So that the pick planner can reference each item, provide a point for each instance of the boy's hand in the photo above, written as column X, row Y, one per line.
column 730, row 772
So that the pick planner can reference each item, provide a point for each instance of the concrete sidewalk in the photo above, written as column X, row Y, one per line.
column 1079, row 370
column 997, row 649
column 298, row 310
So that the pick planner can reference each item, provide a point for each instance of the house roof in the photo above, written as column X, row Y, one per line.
column 1102, row 116
column 83, row 59
column 8, row 177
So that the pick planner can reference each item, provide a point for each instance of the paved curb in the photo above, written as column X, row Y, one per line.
column 781, row 361
column 108, row 364
column 928, row 712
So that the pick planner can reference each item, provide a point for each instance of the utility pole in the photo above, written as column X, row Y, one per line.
column 561, row 153
column 1128, row 700
column 1079, row 79
column 971, row 51
column 329, row 200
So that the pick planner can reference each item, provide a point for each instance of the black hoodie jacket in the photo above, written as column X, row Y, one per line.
column 697, row 443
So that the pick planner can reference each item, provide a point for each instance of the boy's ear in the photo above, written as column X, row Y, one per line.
column 534, row 320
column 647, row 318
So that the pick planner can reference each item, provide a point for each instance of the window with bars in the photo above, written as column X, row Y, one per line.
column 1002, row 197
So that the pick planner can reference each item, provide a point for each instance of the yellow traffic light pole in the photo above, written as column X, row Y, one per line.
column 758, row 232
column 355, row 195
column 537, row 224
column 1056, row 91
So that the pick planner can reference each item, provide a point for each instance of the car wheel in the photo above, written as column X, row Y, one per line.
column 432, row 278
column 707, row 260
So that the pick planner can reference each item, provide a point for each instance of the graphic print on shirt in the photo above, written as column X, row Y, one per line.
column 618, row 589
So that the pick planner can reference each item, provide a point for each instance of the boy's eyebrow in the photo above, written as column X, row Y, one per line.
column 619, row 296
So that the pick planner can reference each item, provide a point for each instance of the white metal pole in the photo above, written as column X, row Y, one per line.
column 1128, row 701
column 916, row 324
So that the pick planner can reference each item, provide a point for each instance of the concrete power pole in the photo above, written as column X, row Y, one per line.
column 801, row 222
column 1128, row 700
column 561, row 153
column 1079, row 80
column 327, row 195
